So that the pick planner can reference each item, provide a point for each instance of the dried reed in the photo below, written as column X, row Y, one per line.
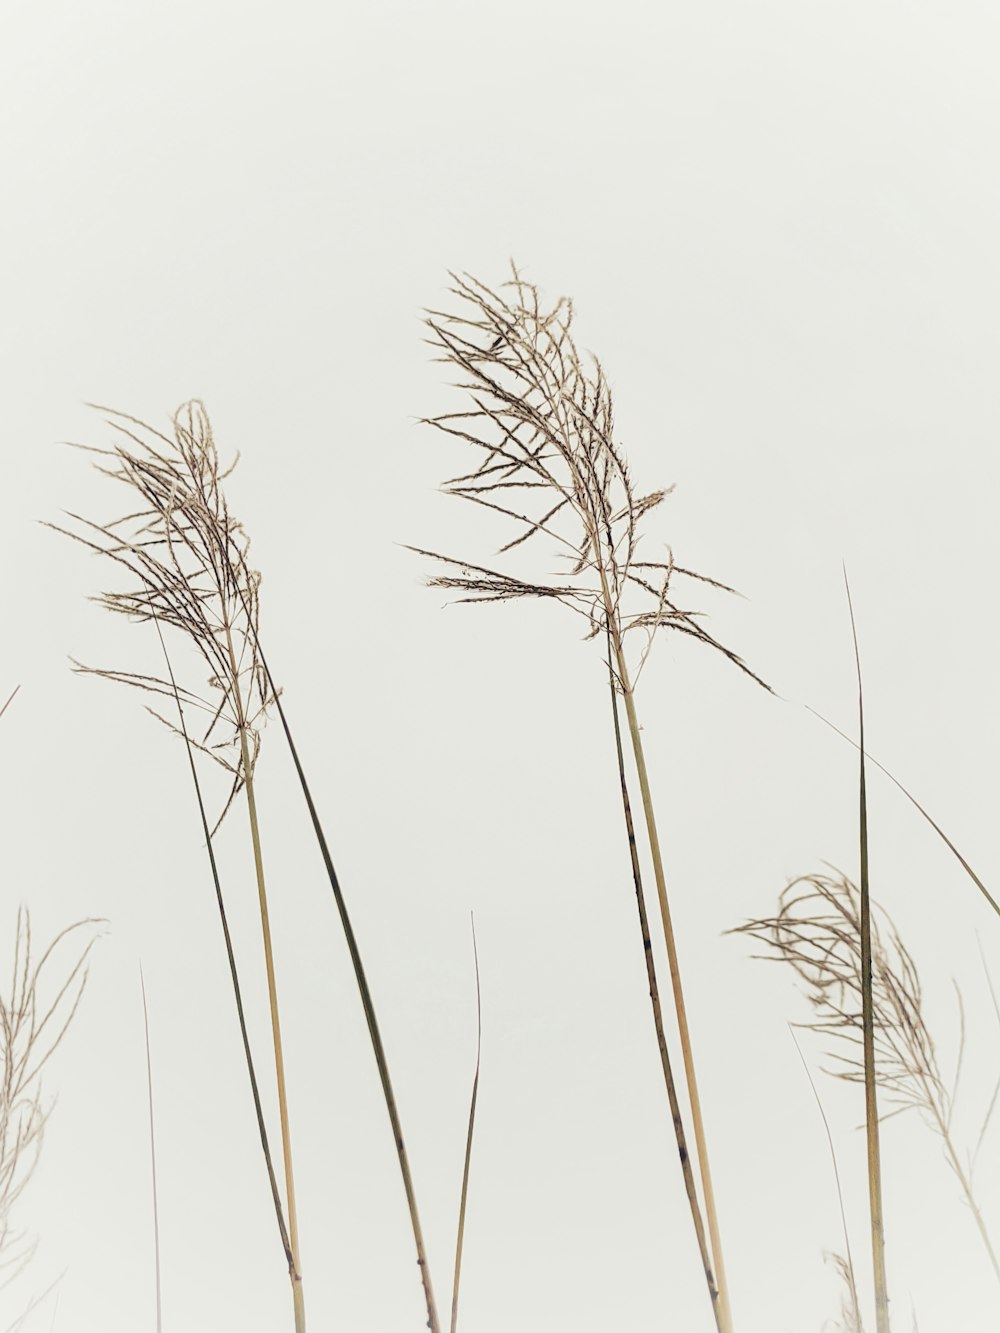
column 876, row 1212
column 188, row 556
column 35, row 1015
column 817, row 931
column 463, row 1201
column 543, row 422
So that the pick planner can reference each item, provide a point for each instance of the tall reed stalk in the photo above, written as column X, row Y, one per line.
column 188, row 557
column 868, row 1020
column 817, row 931
column 542, row 422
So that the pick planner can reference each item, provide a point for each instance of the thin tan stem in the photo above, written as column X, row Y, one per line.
column 661, row 1040
column 460, row 1240
column 868, row 1024
column 272, row 994
column 697, row 1121
column 152, row 1155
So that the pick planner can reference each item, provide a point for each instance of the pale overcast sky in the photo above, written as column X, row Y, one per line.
column 778, row 222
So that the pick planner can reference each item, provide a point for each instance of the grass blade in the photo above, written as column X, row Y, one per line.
column 152, row 1153
column 867, row 1019
column 233, row 972
column 913, row 801
column 654, row 995
column 367, row 1001
column 848, row 1257
column 9, row 700
column 459, row 1241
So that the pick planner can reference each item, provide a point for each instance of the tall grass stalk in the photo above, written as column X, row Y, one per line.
column 367, row 1000
column 543, row 423
column 817, row 931
column 152, row 1154
column 233, row 970
column 189, row 557
column 680, row 1134
column 868, row 1020
column 460, row 1237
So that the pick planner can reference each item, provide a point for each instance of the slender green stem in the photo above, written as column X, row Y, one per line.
column 868, row 1026
column 654, row 995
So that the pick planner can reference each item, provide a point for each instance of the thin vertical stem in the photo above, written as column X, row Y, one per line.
column 233, row 971
column 460, row 1239
column 723, row 1306
column 367, row 1000
column 272, row 993
column 868, row 1023
column 152, row 1153
column 661, row 1041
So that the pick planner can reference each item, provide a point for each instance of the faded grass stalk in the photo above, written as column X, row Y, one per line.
column 189, row 557
column 460, row 1237
column 272, row 995
column 367, row 1002
column 233, row 970
column 817, row 931
column 544, row 423
column 654, row 995
column 845, row 1262
column 152, row 1154
column 868, row 1021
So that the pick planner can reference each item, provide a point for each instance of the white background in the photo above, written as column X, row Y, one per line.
column 779, row 224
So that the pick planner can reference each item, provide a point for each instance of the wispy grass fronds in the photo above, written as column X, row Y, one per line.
column 37, row 1005
column 850, row 1311
column 460, row 1238
column 817, row 932
column 539, row 418
column 187, row 556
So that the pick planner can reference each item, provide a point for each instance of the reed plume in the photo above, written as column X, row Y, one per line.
column 188, row 558
column 540, row 419
column 37, row 1006
column 817, row 932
